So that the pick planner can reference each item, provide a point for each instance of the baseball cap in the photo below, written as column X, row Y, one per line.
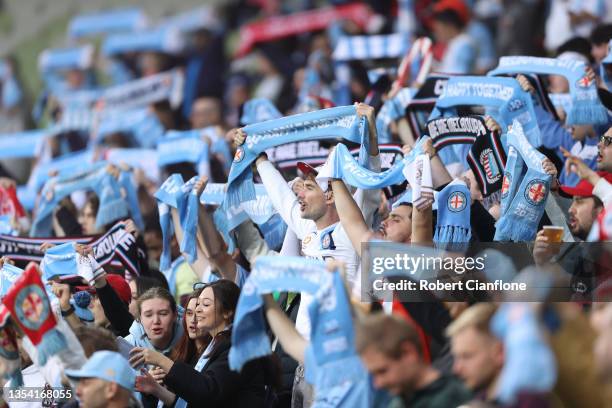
column 307, row 169
column 108, row 366
column 458, row 6
column 584, row 188
column 119, row 285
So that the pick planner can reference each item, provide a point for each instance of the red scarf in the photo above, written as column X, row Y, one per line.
column 31, row 310
column 9, row 203
column 274, row 28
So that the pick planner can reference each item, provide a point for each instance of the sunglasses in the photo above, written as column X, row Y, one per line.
column 200, row 285
column 606, row 140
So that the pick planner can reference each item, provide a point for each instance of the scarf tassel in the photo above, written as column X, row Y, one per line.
column 190, row 228
column 111, row 211
column 52, row 343
column 241, row 190
column 450, row 236
column 585, row 112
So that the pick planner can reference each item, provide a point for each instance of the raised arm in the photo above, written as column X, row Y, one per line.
column 350, row 215
column 282, row 197
column 289, row 338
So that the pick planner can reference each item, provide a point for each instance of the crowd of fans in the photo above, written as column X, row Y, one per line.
column 187, row 224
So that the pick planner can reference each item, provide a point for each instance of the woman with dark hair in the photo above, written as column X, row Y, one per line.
column 190, row 346
column 211, row 380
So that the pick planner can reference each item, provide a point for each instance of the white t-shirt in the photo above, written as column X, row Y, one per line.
column 330, row 242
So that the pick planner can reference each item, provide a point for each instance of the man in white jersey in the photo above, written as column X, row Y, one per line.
column 312, row 216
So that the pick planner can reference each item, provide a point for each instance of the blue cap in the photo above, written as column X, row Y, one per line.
column 108, row 366
column 80, row 301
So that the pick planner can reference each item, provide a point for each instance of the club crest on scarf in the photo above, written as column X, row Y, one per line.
column 457, row 201
column 506, row 185
column 488, row 162
column 536, row 192
column 239, row 155
column 31, row 310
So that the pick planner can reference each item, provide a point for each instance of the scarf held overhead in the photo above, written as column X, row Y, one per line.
column 524, row 190
column 504, row 99
column 586, row 108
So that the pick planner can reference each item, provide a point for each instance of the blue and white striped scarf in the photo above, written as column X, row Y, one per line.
column 586, row 107
column 113, row 206
column 23, row 144
column 393, row 109
column 258, row 110
column 504, row 99
column 364, row 47
column 453, row 220
column 177, row 147
column 340, row 122
column 334, row 371
column 175, row 193
column 167, row 40
column 108, row 21
column 524, row 193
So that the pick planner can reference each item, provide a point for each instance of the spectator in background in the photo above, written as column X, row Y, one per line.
column 106, row 380
column 449, row 22
column 600, row 38
column 478, row 354
column 204, row 69
column 206, row 111
column 391, row 351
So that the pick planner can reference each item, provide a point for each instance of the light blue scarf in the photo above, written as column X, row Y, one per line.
column 59, row 261
column 109, row 21
column 260, row 210
column 365, row 47
column 177, row 147
column 504, row 99
column 339, row 122
column 269, row 274
column 393, row 109
column 258, row 110
column 142, row 92
column 8, row 275
column 453, row 221
column 342, row 165
column 530, row 364
column 112, row 204
column 141, row 124
column 177, row 194
column 22, row 145
column 66, row 58
column 167, row 40
column 586, row 107
column 336, row 372
column 524, row 190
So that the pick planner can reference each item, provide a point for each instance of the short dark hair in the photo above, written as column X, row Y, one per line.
column 601, row 34
column 451, row 17
column 94, row 338
column 386, row 333
column 579, row 45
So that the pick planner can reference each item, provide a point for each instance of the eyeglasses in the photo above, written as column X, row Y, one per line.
column 606, row 140
column 200, row 285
